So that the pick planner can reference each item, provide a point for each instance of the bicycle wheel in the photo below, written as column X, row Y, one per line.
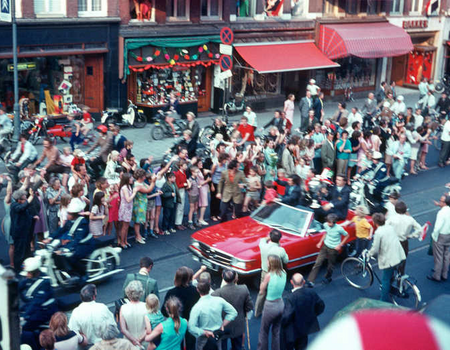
column 409, row 297
column 356, row 275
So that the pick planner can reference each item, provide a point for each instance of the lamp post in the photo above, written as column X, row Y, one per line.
column 16, row 73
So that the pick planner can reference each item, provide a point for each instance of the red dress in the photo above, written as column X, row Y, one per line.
column 114, row 208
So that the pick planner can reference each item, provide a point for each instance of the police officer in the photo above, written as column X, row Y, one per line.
column 37, row 295
column 380, row 177
column 75, row 237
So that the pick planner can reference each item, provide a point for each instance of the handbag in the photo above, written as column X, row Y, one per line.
column 117, row 305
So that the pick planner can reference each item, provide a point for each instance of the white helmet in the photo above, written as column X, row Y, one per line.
column 377, row 155
column 400, row 98
column 312, row 81
column 76, row 206
column 30, row 265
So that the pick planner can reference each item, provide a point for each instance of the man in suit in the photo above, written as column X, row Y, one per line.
column 193, row 126
column 381, row 93
column 328, row 151
column 310, row 122
column 338, row 200
column 370, row 106
column 301, row 308
column 443, row 105
column 306, row 103
column 318, row 107
column 239, row 297
column 230, row 189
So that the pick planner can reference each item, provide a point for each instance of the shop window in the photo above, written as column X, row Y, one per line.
column 372, row 7
column 416, row 6
column 247, row 82
column 178, row 9
column 48, row 8
column 352, row 7
column 212, row 9
column 397, row 7
column 90, row 8
column 143, row 11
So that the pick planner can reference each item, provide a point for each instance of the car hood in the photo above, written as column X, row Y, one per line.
column 238, row 238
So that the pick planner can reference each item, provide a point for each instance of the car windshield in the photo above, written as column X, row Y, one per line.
column 283, row 217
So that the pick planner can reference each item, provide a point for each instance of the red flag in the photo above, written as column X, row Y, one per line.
column 432, row 6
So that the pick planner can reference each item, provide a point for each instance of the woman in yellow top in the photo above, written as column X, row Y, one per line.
column 364, row 230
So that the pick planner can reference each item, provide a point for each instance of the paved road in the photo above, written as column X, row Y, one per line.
column 170, row 252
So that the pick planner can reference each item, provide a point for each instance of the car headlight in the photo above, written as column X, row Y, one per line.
column 238, row 263
column 195, row 244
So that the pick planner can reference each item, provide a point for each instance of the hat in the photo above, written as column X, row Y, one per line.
column 312, row 81
column 394, row 195
column 400, row 98
column 31, row 264
column 376, row 155
column 191, row 114
column 102, row 128
column 76, row 206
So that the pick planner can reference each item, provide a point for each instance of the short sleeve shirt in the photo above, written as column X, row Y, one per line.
column 247, row 129
column 362, row 227
column 333, row 237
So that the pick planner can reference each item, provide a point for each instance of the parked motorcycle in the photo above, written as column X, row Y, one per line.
column 161, row 128
column 235, row 105
column 102, row 263
column 133, row 116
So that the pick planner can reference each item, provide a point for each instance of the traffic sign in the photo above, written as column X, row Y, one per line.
column 226, row 36
column 5, row 10
column 226, row 62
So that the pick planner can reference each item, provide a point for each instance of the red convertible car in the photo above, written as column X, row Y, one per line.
column 235, row 244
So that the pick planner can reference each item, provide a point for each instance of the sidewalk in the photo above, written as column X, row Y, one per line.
column 145, row 146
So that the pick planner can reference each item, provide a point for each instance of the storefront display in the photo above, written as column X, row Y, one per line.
column 48, row 84
column 419, row 66
column 353, row 71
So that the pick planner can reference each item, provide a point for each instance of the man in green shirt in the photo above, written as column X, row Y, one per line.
column 149, row 284
column 329, row 245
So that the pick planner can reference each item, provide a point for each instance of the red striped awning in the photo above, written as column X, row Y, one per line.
column 283, row 56
column 365, row 40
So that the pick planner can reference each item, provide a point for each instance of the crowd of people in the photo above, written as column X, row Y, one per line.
column 246, row 167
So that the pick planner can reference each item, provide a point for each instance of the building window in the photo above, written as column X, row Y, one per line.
column 245, row 8
column 178, row 9
column 143, row 11
column 212, row 9
column 49, row 7
column 397, row 7
column 89, row 8
column 352, row 7
column 416, row 6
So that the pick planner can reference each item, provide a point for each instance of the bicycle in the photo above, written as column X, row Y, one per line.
column 359, row 274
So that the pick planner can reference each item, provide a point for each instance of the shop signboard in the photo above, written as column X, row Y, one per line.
column 5, row 11
column 22, row 66
column 415, row 24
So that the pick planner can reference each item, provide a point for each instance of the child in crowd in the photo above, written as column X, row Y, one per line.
column 62, row 212
column 98, row 214
column 253, row 191
column 364, row 230
column 151, row 207
column 271, row 194
column 193, row 194
column 169, row 200
column 113, row 210
column 154, row 316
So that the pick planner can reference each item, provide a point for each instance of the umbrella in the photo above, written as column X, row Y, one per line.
column 364, row 304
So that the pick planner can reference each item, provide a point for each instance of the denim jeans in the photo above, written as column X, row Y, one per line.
column 386, row 283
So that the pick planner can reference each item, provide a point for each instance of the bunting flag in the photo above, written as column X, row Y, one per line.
column 431, row 7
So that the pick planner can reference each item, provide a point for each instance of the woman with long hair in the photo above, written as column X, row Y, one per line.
column 127, row 195
column 140, row 202
column 173, row 329
column 64, row 337
column 273, row 285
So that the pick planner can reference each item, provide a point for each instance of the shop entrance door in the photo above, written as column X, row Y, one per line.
column 204, row 88
column 398, row 69
column 93, row 81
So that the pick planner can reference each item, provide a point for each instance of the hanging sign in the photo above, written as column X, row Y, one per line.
column 226, row 49
column 416, row 24
column 5, row 10
column 22, row 66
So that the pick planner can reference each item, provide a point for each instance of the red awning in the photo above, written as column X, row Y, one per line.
column 283, row 56
column 365, row 40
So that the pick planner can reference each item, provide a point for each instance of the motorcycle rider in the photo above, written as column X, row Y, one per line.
column 37, row 296
column 105, row 142
column 24, row 154
column 75, row 237
column 380, row 176
column 443, row 104
column 54, row 162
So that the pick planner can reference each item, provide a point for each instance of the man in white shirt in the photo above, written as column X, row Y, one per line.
column 399, row 106
column 354, row 116
column 405, row 226
column 423, row 88
column 390, row 204
column 313, row 88
column 445, row 139
column 441, row 242
column 418, row 118
column 89, row 315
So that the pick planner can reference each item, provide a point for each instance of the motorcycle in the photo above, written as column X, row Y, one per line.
column 443, row 85
column 363, row 193
column 233, row 107
column 133, row 116
column 102, row 263
column 162, row 129
column 206, row 133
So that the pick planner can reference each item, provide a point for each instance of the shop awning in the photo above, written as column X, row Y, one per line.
column 283, row 56
column 365, row 40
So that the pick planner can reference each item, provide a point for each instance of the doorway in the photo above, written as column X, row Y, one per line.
column 93, row 80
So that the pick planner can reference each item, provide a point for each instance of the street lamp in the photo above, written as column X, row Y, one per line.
column 16, row 73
